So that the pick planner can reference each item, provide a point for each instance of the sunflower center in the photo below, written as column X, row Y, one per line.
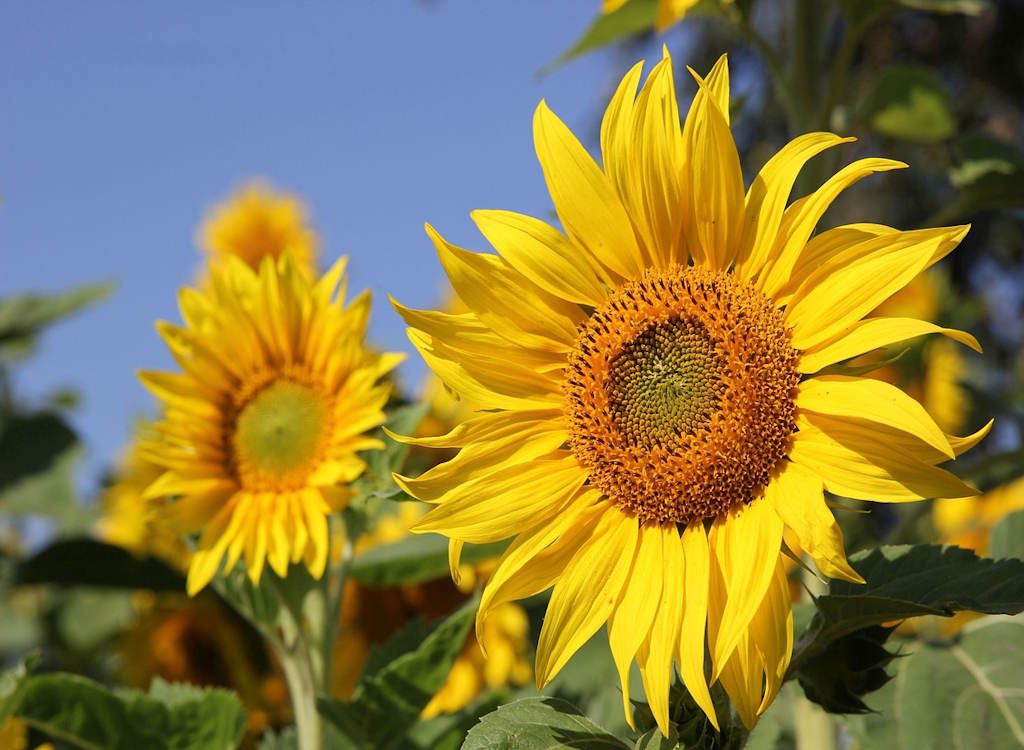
column 680, row 394
column 279, row 435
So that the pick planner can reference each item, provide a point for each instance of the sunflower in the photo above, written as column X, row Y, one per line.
column 261, row 430
column 653, row 407
column 257, row 222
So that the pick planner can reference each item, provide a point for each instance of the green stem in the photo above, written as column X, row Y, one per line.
column 299, row 674
column 815, row 729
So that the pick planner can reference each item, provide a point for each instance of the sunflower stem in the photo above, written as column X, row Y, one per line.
column 299, row 674
column 815, row 729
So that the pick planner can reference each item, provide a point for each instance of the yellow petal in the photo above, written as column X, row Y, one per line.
column 543, row 255
column 771, row 631
column 481, row 429
column 746, row 543
column 617, row 143
column 715, row 181
column 631, row 620
column 454, row 556
column 495, row 291
column 486, row 509
column 671, row 11
column 655, row 657
column 767, row 196
column 802, row 217
column 852, row 462
column 585, row 202
column 866, row 400
column 697, row 576
column 874, row 333
column 798, row 499
column 857, row 281
column 585, row 593
column 537, row 557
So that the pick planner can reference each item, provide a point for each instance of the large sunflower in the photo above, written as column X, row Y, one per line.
column 653, row 411
column 261, row 430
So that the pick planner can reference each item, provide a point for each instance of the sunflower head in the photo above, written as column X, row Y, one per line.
column 257, row 222
column 653, row 411
column 263, row 426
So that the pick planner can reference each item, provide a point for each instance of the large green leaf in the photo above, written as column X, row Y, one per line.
column 87, row 562
column 859, row 11
column 840, row 656
column 388, row 702
column 414, row 559
column 910, row 103
column 965, row 694
column 23, row 315
column 83, row 713
column 1008, row 537
column 539, row 724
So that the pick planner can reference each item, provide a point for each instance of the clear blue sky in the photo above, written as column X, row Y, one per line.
column 123, row 121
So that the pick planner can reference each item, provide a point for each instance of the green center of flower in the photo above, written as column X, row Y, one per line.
column 279, row 433
column 665, row 384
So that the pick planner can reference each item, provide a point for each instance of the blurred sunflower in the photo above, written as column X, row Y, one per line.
column 261, row 430
column 257, row 222
column 669, row 11
column 13, row 734
column 968, row 522
column 196, row 640
column 141, row 526
column 370, row 615
column 651, row 418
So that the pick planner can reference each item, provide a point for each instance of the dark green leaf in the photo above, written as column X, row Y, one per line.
column 32, row 445
column 23, row 315
column 964, row 694
column 539, row 724
column 860, row 11
column 655, row 740
column 846, row 669
column 903, row 582
column 417, row 558
column 87, row 562
column 1008, row 537
column 387, row 703
column 989, row 174
column 85, row 714
column 634, row 17
column 909, row 103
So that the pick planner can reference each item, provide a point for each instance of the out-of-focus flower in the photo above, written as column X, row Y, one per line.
column 370, row 615
column 13, row 734
column 141, row 526
column 669, row 11
column 652, row 409
column 262, row 430
column 257, row 222
column 968, row 522
column 197, row 641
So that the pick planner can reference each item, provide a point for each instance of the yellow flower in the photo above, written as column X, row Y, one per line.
column 652, row 417
column 257, row 223
column 261, row 430
column 13, row 734
column 143, row 527
column 968, row 522
column 669, row 11
column 370, row 615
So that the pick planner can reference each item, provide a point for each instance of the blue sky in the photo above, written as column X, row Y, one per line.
column 123, row 121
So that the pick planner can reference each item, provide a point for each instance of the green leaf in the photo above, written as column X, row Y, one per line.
column 387, row 703
column 634, row 17
column 83, row 713
column 286, row 739
column 655, row 740
column 87, row 562
column 539, row 724
column 847, row 668
column 989, row 174
column 446, row 731
column 23, row 315
column 414, row 559
column 1008, row 537
column 860, row 11
column 965, row 694
column 910, row 103
column 902, row 582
